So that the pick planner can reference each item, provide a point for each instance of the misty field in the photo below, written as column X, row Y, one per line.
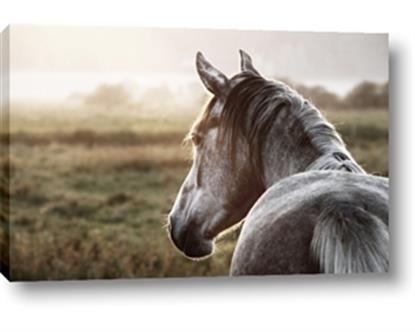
column 90, row 191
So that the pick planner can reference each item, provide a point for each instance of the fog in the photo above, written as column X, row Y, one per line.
column 50, row 63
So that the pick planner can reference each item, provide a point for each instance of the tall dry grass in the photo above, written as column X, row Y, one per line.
column 90, row 192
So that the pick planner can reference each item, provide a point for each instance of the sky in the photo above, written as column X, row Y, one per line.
column 53, row 62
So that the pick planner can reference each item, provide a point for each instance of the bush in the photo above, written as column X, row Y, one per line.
column 108, row 96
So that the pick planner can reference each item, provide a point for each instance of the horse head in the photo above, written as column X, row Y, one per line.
column 218, row 191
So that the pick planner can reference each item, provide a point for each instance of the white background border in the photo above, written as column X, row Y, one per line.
column 321, row 303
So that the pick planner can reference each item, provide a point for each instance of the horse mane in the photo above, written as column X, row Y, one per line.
column 266, row 100
column 251, row 109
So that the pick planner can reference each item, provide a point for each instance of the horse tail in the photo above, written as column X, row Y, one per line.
column 349, row 239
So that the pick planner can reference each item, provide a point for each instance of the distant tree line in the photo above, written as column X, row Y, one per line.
column 365, row 95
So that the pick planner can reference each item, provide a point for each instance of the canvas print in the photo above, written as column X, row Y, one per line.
column 149, row 152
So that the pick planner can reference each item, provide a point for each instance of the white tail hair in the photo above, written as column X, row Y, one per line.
column 349, row 239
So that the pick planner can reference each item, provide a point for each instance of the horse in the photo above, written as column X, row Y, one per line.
column 264, row 155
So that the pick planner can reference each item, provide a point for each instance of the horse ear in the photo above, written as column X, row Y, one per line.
column 212, row 78
column 246, row 63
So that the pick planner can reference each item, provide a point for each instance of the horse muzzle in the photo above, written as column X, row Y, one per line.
column 187, row 238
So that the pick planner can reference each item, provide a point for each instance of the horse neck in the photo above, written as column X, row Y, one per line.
column 302, row 140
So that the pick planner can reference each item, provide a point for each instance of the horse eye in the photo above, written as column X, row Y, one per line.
column 196, row 139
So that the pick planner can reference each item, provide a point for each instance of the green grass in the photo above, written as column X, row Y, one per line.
column 90, row 194
column 366, row 135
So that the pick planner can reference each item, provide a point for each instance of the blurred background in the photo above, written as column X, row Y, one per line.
column 96, row 123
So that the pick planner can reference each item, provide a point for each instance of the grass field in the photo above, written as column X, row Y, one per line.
column 90, row 191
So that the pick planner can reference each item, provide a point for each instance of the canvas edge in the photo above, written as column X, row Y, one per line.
column 4, row 153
